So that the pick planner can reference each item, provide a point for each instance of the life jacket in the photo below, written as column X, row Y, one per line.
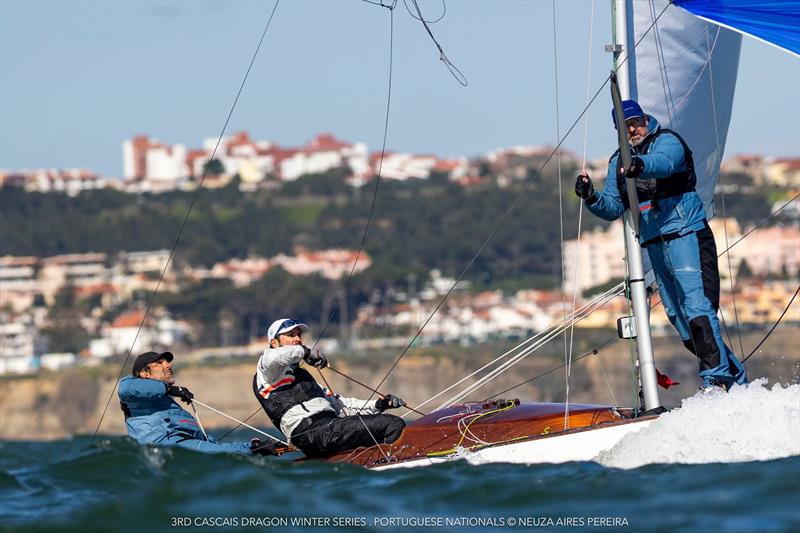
column 651, row 189
column 298, row 387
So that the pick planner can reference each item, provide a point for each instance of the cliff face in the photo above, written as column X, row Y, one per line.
column 58, row 405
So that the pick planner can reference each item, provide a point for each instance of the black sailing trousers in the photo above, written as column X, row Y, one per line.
column 326, row 434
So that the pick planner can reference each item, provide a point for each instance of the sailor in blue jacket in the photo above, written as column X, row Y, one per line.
column 674, row 230
column 153, row 417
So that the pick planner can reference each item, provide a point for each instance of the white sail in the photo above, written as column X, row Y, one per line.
column 686, row 72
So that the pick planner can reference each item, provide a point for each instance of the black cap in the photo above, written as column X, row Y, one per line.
column 144, row 359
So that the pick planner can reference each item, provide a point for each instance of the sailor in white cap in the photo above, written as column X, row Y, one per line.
column 315, row 421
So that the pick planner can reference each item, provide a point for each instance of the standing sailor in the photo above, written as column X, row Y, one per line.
column 319, row 424
column 675, row 232
column 153, row 417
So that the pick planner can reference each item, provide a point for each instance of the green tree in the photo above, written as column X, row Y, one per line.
column 744, row 271
column 213, row 167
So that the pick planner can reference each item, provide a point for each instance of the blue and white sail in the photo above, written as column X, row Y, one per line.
column 686, row 71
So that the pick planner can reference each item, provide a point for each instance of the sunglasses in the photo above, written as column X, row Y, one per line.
column 290, row 323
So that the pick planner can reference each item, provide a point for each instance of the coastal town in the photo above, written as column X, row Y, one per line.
column 759, row 273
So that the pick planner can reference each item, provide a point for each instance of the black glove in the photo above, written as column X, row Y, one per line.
column 257, row 447
column 183, row 393
column 389, row 402
column 584, row 189
column 645, row 187
column 637, row 167
column 315, row 358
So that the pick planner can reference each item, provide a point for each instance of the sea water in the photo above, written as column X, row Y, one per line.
column 722, row 462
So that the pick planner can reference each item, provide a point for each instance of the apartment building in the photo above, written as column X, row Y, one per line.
column 78, row 270
column 18, row 286
column 18, row 342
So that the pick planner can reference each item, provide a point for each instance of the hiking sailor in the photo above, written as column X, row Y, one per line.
column 317, row 423
column 153, row 417
column 675, row 232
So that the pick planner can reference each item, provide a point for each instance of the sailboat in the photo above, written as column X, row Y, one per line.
column 679, row 60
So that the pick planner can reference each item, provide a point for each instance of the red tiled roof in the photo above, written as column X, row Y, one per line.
column 131, row 319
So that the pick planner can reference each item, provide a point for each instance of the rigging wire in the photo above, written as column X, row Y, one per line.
column 199, row 423
column 377, row 444
column 389, row 6
column 378, row 180
column 522, row 355
column 718, row 151
column 654, row 305
column 662, row 71
column 186, row 218
column 510, row 209
column 522, row 346
column 594, row 351
column 241, row 423
column 444, row 12
column 357, row 382
column 774, row 326
column 378, row 177
column 581, row 203
column 460, row 78
column 761, row 223
column 664, row 82
column 560, row 209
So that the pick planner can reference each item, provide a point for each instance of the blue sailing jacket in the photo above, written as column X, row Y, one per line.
column 663, row 158
column 153, row 417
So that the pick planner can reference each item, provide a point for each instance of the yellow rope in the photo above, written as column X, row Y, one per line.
column 453, row 450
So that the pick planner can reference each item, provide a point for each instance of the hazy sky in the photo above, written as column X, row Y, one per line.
column 78, row 78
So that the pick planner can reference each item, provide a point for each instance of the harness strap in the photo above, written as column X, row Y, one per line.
column 671, row 236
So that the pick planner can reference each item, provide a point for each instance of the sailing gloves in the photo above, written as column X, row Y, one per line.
column 584, row 189
column 637, row 167
column 388, row 402
column 315, row 358
column 259, row 447
column 184, row 394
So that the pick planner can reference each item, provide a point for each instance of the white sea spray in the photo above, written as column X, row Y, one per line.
column 751, row 423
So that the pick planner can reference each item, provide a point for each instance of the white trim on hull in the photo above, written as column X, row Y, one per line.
column 573, row 446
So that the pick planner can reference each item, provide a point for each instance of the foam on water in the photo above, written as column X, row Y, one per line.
column 751, row 423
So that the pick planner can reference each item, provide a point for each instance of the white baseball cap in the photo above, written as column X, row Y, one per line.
column 283, row 325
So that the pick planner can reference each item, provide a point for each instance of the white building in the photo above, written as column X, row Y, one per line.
column 331, row 264
column 403, row 166
column 598, row 257
column 766, row 250
column 152, row 262
column 156, row 332
column 71, row 181
column 18, row 286
column 17, row 348
column 74, row 269
column 152, row 165
column 322, row 154
column 57, row 361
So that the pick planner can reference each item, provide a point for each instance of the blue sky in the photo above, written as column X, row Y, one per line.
column 78, row 78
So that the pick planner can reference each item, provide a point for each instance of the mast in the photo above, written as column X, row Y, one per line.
column 623, row 35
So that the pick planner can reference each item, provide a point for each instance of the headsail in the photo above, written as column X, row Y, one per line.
column 686, row 72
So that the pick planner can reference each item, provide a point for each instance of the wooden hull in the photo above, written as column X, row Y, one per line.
column 502, row 432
